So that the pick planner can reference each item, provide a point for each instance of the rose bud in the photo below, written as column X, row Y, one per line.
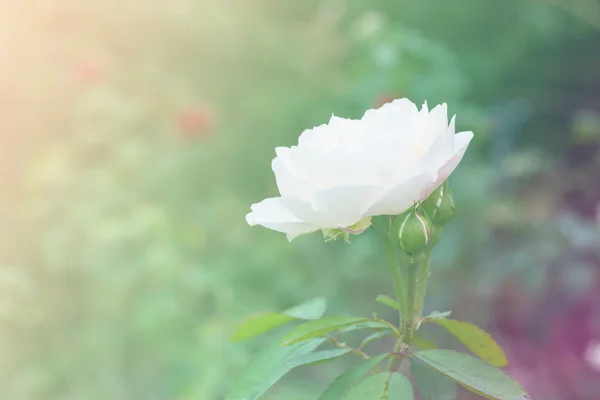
column 413, row 230
column 439, row 206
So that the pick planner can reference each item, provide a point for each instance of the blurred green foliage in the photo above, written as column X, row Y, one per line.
column 126, row 260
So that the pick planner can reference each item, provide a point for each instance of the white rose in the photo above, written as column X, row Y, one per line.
column 342, row 173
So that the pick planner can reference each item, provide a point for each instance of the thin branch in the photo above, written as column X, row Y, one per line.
column 344, row 346
column 386, row 323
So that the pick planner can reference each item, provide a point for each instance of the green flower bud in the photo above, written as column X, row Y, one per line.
column 413, row 230
column 436, row 235
column 439, row 206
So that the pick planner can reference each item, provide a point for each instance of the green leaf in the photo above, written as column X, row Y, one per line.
column 423, row 343
column 474, row 374
column 376, row 336
column 318, row 357
column 309, row 310
column 431, row 384
column 258, row 324
column 351, row 377
column 266, row 369
column 400, row 388
column 382, row 386
column 318, row 328
column 388, row 301
column 372, row 388
column 264, row 322
column 475, row 339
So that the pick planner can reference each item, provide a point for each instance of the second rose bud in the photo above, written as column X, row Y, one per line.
column 420, row 228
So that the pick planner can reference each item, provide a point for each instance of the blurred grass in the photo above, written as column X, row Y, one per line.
column 135, row 136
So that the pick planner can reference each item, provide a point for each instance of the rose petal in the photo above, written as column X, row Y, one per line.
column 344, row 205
column 335, row 207
column 402, row 196
column 288, row 181
column 461, row 142
column 440, row 149
column 271, row 214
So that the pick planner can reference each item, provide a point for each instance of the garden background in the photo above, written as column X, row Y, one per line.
column 135, row 134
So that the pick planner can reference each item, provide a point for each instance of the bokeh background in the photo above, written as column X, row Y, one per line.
column 135, row 134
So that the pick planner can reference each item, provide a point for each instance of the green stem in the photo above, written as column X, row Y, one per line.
column 396, row 276
column 392, row 327
column 424, row 273
column 408, row 322
column 344, row 346
column 393, row 360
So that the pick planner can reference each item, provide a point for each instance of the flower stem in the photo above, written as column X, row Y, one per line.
column 409, row 313
column 424, row 273
column 396, row 277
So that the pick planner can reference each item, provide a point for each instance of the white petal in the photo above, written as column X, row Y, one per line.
column 451, row 127
column 343, row 206
column 430, row 127
column 335, row 207
column 402, row 196
column 440, row 149
column 438, row 118
column 419, row 186
column 289, row 180
column 271, row 214
column 326, row 136
column 461, row 142
column 391, row 118
column 301, row 209
column 313, row 137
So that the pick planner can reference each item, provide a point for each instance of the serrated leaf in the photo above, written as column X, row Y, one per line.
column 376, row 336
column 423, row 343
column 475, row 339
column 474, row 374
column 351, row 377
column 388, row 301
column 318, row 328
column 259, row 324
column 266, row 369
column 431, row 384
column 382, row 386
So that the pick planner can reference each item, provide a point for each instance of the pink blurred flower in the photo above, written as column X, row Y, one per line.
column 195, row 121
column 90, row 72
column 552, row 345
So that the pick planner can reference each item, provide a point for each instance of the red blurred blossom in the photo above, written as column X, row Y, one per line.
column 387, row 98
column 195, row 121
column 90, row 72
